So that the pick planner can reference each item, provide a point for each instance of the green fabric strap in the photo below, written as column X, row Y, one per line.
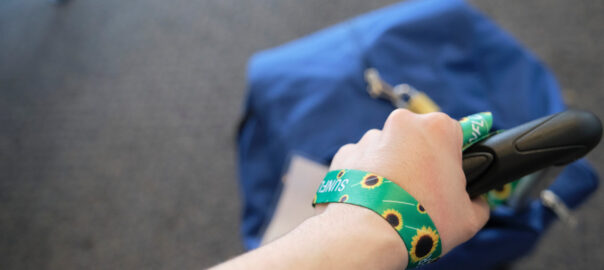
column 475, row 128
column 395, row 205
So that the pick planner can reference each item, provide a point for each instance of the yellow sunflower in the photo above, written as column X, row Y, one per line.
column 371, row 181
column 423, row 244
column 341, row 173
column 343, row 198
column 503, row 192
column 394, row 218
column 420, row 209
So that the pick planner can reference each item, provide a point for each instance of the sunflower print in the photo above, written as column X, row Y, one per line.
column 341, row 173
column 421, row 209
column 423, row 244
column 344, row 198
column 371, row 181
column 394, row 218
column 502, row 193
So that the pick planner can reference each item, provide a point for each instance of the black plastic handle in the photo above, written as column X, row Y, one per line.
column 552, row 140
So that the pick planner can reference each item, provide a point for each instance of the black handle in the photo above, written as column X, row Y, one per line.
column 552, row 140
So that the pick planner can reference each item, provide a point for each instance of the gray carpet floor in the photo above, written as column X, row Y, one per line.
column 117, row 123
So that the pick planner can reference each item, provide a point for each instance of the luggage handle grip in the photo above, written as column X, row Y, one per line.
column 552, row 140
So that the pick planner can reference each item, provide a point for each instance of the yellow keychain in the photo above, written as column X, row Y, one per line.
column 421, row 103
column 401, row 96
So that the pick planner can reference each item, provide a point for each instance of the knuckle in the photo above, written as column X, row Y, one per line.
column 369, row 136
column 439, row 117
column 343, row 153
column 372, row 133
column 400, row 113
column 398, row 116
column 345, row 148
column 440, row 122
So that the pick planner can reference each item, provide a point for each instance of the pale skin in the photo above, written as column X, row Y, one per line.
column 422, row 154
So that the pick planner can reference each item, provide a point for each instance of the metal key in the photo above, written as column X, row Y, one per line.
column 553, row 202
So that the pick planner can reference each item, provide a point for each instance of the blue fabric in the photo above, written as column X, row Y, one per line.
column 309, row 96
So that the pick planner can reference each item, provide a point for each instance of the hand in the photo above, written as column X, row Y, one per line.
column 422, row 154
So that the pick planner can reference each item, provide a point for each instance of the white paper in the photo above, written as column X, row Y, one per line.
column 300, row 183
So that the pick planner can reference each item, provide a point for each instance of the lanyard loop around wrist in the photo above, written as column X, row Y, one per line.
column 405, row 214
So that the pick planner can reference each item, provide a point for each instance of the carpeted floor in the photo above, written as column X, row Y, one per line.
column 117, row 123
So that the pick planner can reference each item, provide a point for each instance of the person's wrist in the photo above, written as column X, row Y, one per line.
column 362, row 231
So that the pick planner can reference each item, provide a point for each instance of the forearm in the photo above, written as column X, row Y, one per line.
column 419, row 153
column 342, row 237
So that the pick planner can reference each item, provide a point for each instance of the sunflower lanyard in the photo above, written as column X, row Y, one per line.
column 406, row 215
column 403, row 212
